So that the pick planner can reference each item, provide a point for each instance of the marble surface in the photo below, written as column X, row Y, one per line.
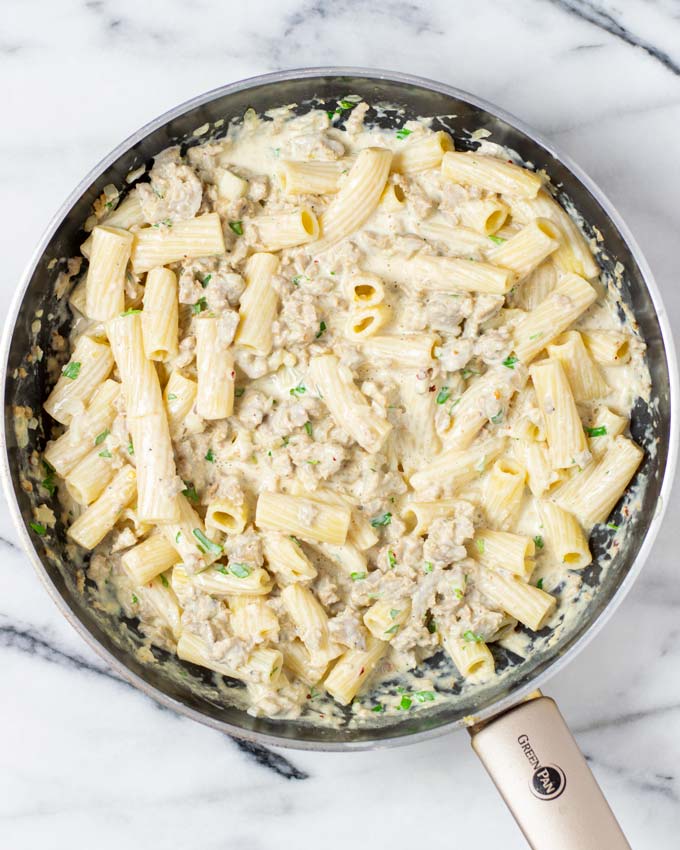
column 85, row 760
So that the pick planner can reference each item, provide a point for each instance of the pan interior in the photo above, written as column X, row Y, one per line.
column 189, row 689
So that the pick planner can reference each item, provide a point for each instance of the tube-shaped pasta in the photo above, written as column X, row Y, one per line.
column 564, row 537
column 126, row 215
column 160, row 315
column 233, row 580
column 540, row 474
column 367, row 321
column 490, row 173
column 365, row 290
column 157, row 597
column 347, row 557
column 591, row 494
column 441, row 274
column 585, row 379
column 537, row 286
column 140, row 380
column 299, row 662
column 471, row 657
column 569, row 299
column 361, row 534
column 472, row 412
column 179, row 396
column 611, row 348
column 259, row 304
column 303, row 517
column 156, row 473
column 606, row 425
column 459, row 241
column 528, row 604
column 311, row 623
column 485, row 216
column 177, row 240
column 422, row 153
column 393, row 198
column 215, row 371
column 263, row 665
column 455, row 467
column 89, row 365
column 181, row 535
column 105, row 288
column 419, row 516
column 384, row 619
column 66, row 451
column 88, row 478
column 285, row 230
column 286, row 559
column 563, row 429
column 252, row 619
column 503, row 492
column 421, row 440
column 95, row 522
column 410, row 351
column 352, row 669
column 347, row 405
column 527, row 249
column 149, row 559
column 312, row 177
column 227, row 516
column 500, row 549
column 357, row 198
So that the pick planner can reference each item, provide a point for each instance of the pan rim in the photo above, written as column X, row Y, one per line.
column 593, row 628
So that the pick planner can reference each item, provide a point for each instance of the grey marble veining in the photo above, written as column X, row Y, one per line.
column 86, row 760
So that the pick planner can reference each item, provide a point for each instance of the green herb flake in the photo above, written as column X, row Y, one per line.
column 321, row 331
column 425, row 696
column 358, row 576
column 458, row 592
column 392, row 559
column 101, row 437
column 403, row 133
column 308, row 428
column 164, row 581
column 191, row 494
column 498, row 418
column 381, row 521
column 468, row 373
column 346, row 104
column 105, row 453
column 297, row 279
column 130, row 448
column 205, row 544
column 238, row 392
column 480, row 545
column 613, row 526
column 199, row 306
column 431, row 624
column 539, row 584
column 539, row 542
column 236, row 227
column 510, row 361
column 471, row 637
column 536, row 336
column 299, row 390
column 443, row 395
column 206, row 280
column 285, row 441
column 497, row 240
column 295, row 539
column 394, row 613
column 429, row 566
column 172, row 396
column 209, row 456
column 132, row 312
column 392, row 629
column 378, row 708
column 38, row 527
column 48, row 484
column 240, row 570
column 312, row 462
column 177, row 536
column 72, row 370
column 600, row 431
column 405, row 704
column 135, row 601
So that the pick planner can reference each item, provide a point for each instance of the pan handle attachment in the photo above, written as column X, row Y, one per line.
column 541, row 774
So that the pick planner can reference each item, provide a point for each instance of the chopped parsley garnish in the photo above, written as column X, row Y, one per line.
column 405, row 704
column 392, row 559
column 539, row 584
column 172, row 396
column 429, row 566
column 378, row 708
column 312, row 462
column 236, row 227
column 238, row 392
column 443, row 395
column 430, row 623
column 297, row 279
column 471, row 637
column 131, row 448
column 191, row 494
column 177, row 536
column 510, row 361
column 299, row 390
column 285, row 441
column 392, row 629
column 346, row 104
column 308, row 428
column 209, row 456
column 497, row 240
column 394, row 613
column 164, row 581
column 458, row 592
column 381, row 521
column 240, row 570
column 600, row 431
column 295, row 539
column 480, row 544
column 101, row 437
column 71, row 371
column 536, row 336
column 48, row 484
column 538, row 541
column 166, row 221
column 206, row 280
column 468, row 373
column 199, row 306
column 205, row 544
column 321, row 331
column 498, row 418
column 131, row 312
column 135, row 601
column 613, row 526
column 357, row 576
column 38, row 527
column 403, row 133
column 105, row 453
column 425, row 696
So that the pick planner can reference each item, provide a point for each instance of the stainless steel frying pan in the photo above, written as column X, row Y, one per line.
column 519, row 734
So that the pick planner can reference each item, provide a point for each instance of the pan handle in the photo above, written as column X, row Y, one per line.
column 541, row 774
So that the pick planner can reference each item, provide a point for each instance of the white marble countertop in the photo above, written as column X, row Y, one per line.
column 86, row 761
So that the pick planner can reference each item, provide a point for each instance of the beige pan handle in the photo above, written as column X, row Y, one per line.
column 537, row 766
